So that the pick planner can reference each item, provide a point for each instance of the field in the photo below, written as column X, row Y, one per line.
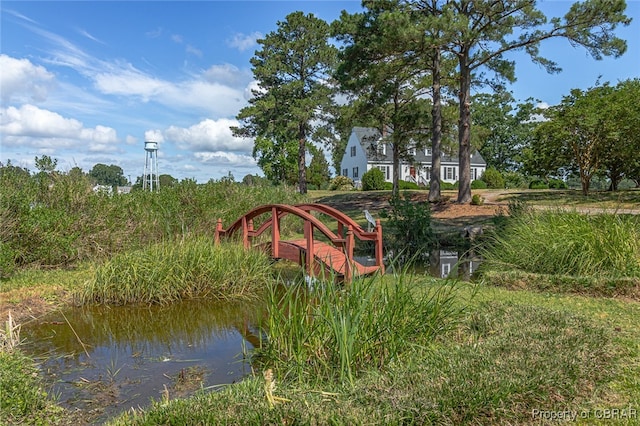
column 512, row 347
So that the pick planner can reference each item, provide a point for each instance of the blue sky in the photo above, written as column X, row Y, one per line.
column 88, row 82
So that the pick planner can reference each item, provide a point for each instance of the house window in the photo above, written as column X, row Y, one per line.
column 382, row 148
column 345, row 172
column 412, row 151
column 353, row 151
column 355, row 172
column 427, row 151
column 474, row 173
column 448, row 173
column 385, row 171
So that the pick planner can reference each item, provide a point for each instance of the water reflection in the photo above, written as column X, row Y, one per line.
column 131, row 354
column 437, row 263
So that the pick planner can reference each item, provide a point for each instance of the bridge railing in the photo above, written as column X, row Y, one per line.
column 344, row 239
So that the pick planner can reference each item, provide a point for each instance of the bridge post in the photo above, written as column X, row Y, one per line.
column 216, row 237
column 245, row 232
column 378, row 249
column 309, row 259
column 275, row 233
column 348, row 267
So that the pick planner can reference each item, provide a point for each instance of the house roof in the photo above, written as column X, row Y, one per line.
column 369, row 137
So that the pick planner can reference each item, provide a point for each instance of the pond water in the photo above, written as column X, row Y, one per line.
column 106, row 360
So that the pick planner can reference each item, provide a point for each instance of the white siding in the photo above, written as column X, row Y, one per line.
column 349, row 162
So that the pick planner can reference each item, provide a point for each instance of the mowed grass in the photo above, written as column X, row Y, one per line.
column 511, row 353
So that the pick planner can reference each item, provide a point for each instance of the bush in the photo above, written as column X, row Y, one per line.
column 557, row 184
column 409, row 226
column 538, row 184
column 341, row 183
column 478, row 184
column 402, row 185
column 493, row 178
column 373, row 180
column 515, row 180
column 477, row 200
column 447, row 186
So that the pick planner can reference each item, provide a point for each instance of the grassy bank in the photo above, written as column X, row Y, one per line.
column 169, row 272
column 510, row 354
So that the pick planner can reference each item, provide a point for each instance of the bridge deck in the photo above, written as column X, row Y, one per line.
column 330, row 256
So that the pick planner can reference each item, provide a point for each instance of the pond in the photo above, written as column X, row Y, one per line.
column 105, row 360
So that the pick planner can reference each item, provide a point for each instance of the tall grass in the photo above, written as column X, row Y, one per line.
column 329, row 333
column 56, row 220
column 170, row 271
column 567, row 243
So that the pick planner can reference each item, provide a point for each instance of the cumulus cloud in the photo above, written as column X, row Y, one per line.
column 36, row 127
column 20, row 77
column 244, row 42
column 153, row 136
column 208, row 136
column 226, row 159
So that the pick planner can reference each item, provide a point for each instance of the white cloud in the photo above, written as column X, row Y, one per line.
column 153, row 136
column 36, row 127
column 20, row 77
column 244, row 42
column 194, row 51
column 226, row 159
column 209, row 136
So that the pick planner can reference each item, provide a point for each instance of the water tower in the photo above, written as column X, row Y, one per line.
column 151, row 177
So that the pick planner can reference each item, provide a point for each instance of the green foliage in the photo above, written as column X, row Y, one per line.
column 402, row 185
column 172, row 271
column 408, row 231
column 65, row 222
column 330, row 333
column 22, row 397
column 373, row 180
column 557, row 184
column 538, row 184
column 567, row 243
column 493, row 178
column 108, row 175
column 341, row 183
column 478, row 184
column 291, row 67
column 318, row 171
column 515, row 180
column 447, row 186
column 477, row 200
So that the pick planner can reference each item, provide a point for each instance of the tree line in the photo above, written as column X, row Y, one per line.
column 406, row 67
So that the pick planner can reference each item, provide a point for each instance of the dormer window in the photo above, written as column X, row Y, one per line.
column 353, row 151
column 382, row 148
column 412, row 151
column 427, row 151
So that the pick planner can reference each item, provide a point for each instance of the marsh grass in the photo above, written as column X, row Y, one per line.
column 328, row 333
column 499, row 362
column 567, row 243
column 167, row 272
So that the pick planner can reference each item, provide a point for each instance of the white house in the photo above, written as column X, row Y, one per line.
column 366, row 149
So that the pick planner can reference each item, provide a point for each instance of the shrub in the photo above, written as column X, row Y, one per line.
column 447, row 186
column 493, row 178
column 341, row 183
column 515, row 180
column 373, row 180
column 478, row 184
column 402, row 185
column 538, row 184
column 477, row 200
column 557, row 184
column 409, row 229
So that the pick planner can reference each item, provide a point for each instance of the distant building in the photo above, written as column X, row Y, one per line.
column 106, row 189
column 123, row 189
column 366, row 149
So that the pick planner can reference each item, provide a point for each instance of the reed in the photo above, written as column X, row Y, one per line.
column 171, row 271
column 562, row 242
column 329, row 333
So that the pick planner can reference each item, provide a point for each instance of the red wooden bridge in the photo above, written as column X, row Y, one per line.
column 332, row 256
